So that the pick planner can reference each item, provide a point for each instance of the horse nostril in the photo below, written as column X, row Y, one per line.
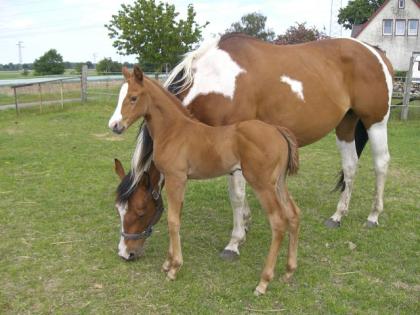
column 116, row 129
column 131, row 256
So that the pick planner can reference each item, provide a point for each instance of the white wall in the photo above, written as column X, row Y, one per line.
column 398, row 48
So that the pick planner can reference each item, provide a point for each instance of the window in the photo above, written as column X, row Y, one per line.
column 401, row 4
column 399, row 27
column 387, row 27
column 413, row 27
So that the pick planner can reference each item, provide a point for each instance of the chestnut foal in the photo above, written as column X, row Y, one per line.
column 187, row 149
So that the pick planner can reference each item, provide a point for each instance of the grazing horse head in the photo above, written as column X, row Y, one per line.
column 127, row 110
column 140, row 208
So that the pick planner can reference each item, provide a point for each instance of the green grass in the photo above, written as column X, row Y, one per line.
column 59, row 230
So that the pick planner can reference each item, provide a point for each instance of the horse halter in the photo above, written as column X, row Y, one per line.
column 157, row 199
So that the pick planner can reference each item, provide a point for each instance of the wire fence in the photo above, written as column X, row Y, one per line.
column 58, row 91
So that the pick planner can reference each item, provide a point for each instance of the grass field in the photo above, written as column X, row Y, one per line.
column 59, row 231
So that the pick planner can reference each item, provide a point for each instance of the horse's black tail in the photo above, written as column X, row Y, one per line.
column 360, row 138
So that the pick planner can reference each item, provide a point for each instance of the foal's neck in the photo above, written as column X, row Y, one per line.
column 166, row 112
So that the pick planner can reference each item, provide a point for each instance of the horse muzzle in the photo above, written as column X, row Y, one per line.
column 116, row 127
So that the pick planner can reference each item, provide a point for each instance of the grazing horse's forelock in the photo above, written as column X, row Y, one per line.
column 125, row 188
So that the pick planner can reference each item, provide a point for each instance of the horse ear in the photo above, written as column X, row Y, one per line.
column 138, row 74
column 119, row 169
column 126, row 73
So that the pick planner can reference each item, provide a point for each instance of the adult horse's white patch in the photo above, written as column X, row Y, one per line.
column 116, row 117
column 295, row 85
column 214, row 72
column 122, row 248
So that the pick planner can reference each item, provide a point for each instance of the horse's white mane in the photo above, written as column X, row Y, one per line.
column 187, row 65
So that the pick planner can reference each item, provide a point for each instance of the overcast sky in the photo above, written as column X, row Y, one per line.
column 76, row 27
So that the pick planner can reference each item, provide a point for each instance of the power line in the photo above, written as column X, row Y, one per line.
column 19, row 44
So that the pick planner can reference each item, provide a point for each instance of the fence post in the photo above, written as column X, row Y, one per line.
column 40, row 97
column 83, row 82
column 407, row 89
column 62, row 96
column 16, row 101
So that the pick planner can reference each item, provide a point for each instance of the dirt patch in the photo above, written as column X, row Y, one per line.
column 108, row 137
column 13, row 131
column 406, row 286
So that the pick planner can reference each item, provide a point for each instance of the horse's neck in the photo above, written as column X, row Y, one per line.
column 164, row 115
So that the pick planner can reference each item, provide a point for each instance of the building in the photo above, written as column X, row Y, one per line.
column 394, row 28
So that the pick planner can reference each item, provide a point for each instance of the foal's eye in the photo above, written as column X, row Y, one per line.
column 133, row 99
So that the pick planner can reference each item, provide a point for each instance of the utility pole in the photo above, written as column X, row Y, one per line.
column 19, row 44
column 331, row 16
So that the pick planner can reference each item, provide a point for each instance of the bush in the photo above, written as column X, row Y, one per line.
column 49, row 63
column 106, row 65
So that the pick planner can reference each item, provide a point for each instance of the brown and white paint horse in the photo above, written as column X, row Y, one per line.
column 185, row 148
column 309, row 88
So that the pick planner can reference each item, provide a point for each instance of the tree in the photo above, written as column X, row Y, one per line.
column 300, row 34
column 49, row 63
column 108, row 65
column 153, row 32
column 253, row 24
column 357, row 12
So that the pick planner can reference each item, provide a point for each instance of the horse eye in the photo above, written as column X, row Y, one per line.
column 133, row 98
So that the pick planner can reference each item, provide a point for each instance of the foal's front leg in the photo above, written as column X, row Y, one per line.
column 175, row 189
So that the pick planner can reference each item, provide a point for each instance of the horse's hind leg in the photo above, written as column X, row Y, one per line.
column 277, row 220
column 379, row 144
column 241, row 215
column 347, row 147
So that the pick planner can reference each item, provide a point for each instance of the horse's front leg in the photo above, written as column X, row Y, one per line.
column 175, row 189
column 241, row 215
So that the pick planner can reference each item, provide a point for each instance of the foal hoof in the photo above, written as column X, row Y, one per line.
column 330, row 223
column 370, row 224
column 229, row 255
column 170, row 276
column 259, row 292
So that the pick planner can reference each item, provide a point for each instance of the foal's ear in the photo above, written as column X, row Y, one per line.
column 126, row 73
column 138, row 74
column 119, row 169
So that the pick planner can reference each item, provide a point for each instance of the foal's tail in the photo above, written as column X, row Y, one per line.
column 293, row 163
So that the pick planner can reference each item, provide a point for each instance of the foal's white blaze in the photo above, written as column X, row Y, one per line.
column 295, row 85
column 122, row 248
column 214, row 72
column 116, row 117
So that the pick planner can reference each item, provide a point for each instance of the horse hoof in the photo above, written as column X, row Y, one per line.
column 170, row 276
column 229, row 255
column 259, row 292
column 370, row 224
column 330, row 223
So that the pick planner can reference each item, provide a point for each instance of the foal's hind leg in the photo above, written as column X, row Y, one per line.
column 275, row 213
column 293, row 219
column 241, row 215
column 347, row 147
column 379, row 144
